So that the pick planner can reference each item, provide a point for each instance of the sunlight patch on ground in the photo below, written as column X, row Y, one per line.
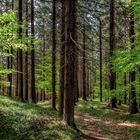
column 115, row 124
column 108, row 122
column 92, row 119
column 128, row 124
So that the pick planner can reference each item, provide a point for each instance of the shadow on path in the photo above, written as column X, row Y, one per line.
column 91, row 131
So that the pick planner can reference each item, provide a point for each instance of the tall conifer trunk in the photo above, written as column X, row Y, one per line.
column 54, row 56
column 33, row 92
column 26, row 56
column 133, row 103
column 62, row 62
column 112, row 75
column 70, row 6
column 84, row 95
column 100, row 60
column 20, row 54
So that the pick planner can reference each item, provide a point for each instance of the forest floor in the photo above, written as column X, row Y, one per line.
column 25, row 121
column 101, row 123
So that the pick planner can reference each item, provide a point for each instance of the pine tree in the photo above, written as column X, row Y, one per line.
column 112, row 76
column 133, row 103
column 33, row 91
column 70, row 5
column 54, row 56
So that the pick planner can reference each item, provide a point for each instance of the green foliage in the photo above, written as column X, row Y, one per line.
column 44, row 73
column 128, row 58
column 8, row 31
column 9, row 40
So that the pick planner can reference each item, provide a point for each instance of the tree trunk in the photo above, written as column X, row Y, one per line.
column 100, row 60
column 139, row 89
column 26, row 56
column 12, row 4
column 125, row 94
column 112, row 75
column 84, row 96
column 70, row 59
column 20, row 55
column 76, row 64
column 62, row 62
column 33, row 92
column 9, row 61
column 54, row 56
column 43, row 62
column 133, row 103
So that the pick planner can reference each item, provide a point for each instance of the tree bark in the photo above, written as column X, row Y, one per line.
column 84, row 96
column 33, row 92
column 20, row 55
column 12, row 4
column 112, row 75
column 133, row 103
column 62, row 62
column 54, row 56
column 125, row 94
column 26, row 56
column 70, row 58
column 100, row 60
column 76, row 64
column 9, row 61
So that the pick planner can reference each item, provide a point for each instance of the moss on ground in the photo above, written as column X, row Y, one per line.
column 26, row 121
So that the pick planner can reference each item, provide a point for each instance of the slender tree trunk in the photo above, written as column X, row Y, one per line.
column 62, row 63
column 84, row 96
column 41, row 94
column 76, row 64
column 139, row 89
column 76, row 76
column 44, row 45
column 26, row 56
column 20, row 54
column 54, row 56
column 100, row 61
column 44, row 95
column 33, row 92
column 9, row 91
column 112, row 75
column 80, row 79
column 133, row 103
column 87, row 80
column 125, row 94
column 9, row 63
column 94, row 73
column 12, row 4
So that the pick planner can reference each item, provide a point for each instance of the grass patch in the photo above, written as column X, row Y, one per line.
column 26, row 121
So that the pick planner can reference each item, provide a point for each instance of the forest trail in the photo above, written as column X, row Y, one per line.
column 91, row 131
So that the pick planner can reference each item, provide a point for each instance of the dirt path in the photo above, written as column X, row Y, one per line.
column 91, row 131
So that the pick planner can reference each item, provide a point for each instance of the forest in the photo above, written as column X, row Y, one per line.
column 69, row 70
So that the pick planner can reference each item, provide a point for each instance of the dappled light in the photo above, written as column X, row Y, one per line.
column 134, row 125
column 31, row 121
column 113, row 124
column 69, row 69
